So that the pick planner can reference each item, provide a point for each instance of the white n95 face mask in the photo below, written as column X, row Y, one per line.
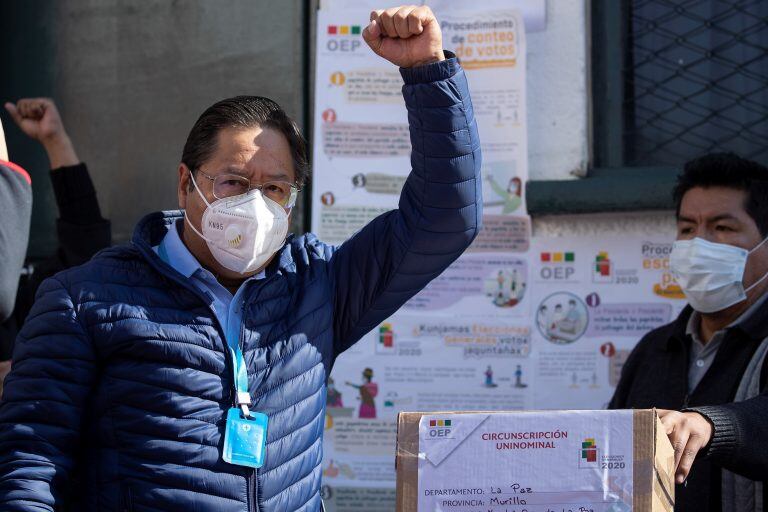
column 711, row 275
column 243, row 231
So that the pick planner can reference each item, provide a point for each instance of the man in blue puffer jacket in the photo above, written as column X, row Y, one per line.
column 187, row 371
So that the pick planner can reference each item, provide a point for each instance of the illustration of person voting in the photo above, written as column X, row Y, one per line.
column 368, row 391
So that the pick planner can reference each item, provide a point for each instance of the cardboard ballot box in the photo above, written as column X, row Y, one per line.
column 538, row 461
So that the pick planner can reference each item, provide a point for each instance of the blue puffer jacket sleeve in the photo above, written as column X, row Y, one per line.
column 40, row 423
column 439, row 214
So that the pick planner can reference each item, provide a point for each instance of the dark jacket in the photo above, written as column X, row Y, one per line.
column 656, row 375
column 82, row 232
column 15, row 212
column 124, row 357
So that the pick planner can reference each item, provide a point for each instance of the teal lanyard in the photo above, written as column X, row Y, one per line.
column 239, row 369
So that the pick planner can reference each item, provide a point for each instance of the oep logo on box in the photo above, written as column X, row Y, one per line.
column 439, row 429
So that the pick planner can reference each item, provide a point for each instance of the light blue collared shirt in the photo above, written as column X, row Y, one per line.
column 227, row 308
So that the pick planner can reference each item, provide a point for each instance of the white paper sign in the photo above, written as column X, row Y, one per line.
column 576, row 461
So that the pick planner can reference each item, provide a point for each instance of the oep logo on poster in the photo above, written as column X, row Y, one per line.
column 343, row 38
column 557, row 266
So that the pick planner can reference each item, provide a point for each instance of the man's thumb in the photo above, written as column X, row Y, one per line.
column 14, row 112
column 372, row 36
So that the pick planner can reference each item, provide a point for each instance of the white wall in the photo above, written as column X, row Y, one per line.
column 558, row 107
column 559, row 123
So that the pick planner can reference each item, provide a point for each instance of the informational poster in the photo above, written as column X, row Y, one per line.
column 591, row 302
column 515, row 323
column 362, row 145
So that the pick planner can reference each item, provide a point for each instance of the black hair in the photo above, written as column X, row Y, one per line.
column 731, row 171
column 244, row 112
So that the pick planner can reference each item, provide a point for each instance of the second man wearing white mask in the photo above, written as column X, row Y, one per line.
column 707, row 369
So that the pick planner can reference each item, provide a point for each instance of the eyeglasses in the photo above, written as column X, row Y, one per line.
column 230, row 185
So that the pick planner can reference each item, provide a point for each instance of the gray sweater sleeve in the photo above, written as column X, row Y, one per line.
column 740, row 436
column 15, row 212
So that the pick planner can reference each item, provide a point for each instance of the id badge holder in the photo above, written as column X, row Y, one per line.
column 245, row 438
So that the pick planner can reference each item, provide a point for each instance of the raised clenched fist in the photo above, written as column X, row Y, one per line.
column 39, row 119
column 407, row 36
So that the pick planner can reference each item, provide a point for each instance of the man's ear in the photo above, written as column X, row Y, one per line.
column 184, row 184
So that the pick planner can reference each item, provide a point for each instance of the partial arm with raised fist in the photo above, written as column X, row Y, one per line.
column 39, row 119
column 440, row 209
column 81, row 229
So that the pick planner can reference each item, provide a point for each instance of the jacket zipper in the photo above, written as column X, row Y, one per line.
column 127, row 500
column 251, row 481
column 253, row 502
column 252, row 496
column 253, row 505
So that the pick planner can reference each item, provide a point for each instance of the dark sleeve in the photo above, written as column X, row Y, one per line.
column 44, row 399
column 81, row 229
column 439, row 212
column 15, row 212
column 8, row 332
column 740, row 436
column 626, row 381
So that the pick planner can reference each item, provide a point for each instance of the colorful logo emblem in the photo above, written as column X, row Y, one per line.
column 558, row 257
column 386, row 341
column 588, row 452
column 439, row 429
column 602, row 272
column 343, row 38
column 557, row 266
column 386, row 336
column 344, row 30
